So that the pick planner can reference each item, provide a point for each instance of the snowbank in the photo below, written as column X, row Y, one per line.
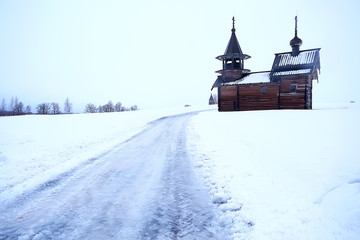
column 283, row 174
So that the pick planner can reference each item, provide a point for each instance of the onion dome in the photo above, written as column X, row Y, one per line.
column 296, row 42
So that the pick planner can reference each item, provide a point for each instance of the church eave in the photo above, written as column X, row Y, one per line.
column 224, row 71
column 233, row 55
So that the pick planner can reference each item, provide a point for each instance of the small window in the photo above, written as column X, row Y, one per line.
column 264, row 90
column 292, row 88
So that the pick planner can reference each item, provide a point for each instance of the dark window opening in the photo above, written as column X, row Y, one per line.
column 292, row 88
column 264, row 90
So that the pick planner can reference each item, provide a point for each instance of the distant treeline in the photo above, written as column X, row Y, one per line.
column 109, row 107
column 17, row 107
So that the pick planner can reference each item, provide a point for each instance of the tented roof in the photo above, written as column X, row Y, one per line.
column 233, row 49
column 233, row 46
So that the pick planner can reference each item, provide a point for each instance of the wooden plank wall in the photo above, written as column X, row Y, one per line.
column 228, row 98
column 297, row 99
column 253, row 97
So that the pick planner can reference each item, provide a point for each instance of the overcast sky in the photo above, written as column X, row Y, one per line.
column 159, row 54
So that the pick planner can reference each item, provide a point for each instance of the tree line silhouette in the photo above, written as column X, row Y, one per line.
column 17, row 107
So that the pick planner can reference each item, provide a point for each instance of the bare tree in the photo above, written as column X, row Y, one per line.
column 109, row 107
column 100, row 109
column 43, row 108
column 67, row 106
column 118, row 107
column 16, row 100
column 90, row 108
column 3, row 106
column 134, row 108
column 28, row 109
column 12, row 104
column 55, row 109
column 19, row 107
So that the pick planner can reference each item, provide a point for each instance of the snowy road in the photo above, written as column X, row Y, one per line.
column 145, row 188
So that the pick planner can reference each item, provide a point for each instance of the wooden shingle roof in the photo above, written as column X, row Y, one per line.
column 306, row 59
column 233, row 49
column 233, row 46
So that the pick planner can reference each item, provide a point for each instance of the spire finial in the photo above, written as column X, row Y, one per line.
column 233, row 29
column 296, row 42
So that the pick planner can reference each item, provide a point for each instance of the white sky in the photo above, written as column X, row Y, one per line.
column 162, row 53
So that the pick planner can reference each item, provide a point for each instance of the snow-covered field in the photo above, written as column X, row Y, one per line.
column 295, row 174
column 272, row 174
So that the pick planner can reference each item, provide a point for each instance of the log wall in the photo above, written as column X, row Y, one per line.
column 290, row 92
column 228, row 99
column 258, row 96
column 295, row 92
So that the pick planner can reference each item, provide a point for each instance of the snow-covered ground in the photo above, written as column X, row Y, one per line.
column 295, row 173
column 270, row 174
column 34, row 148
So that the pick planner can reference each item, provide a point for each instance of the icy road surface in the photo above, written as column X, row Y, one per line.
column 143, row 189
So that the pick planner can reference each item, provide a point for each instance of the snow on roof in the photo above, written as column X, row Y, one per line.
column 263, row 77
column 294, row 72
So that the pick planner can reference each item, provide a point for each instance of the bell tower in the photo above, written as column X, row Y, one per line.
column 233, row 59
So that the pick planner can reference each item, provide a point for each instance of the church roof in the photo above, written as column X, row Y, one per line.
column 217, row 82
column 251, row 78
column 211, row 100
column 306, row 59
column 233, row 48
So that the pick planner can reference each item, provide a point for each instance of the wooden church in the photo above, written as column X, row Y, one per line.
column 287, row 86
